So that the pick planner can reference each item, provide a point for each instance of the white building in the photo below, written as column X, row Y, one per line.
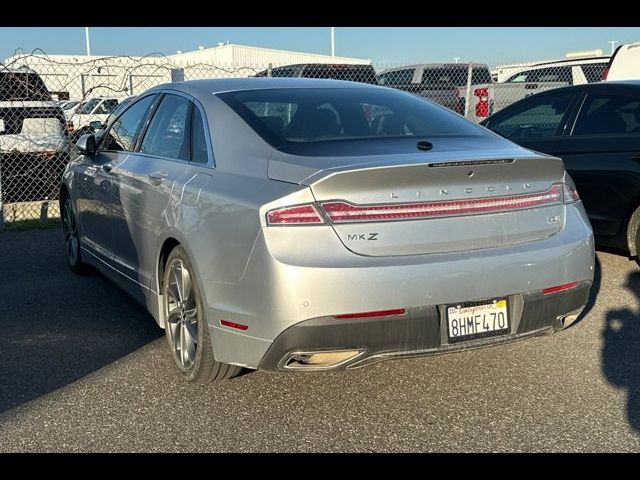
column 80, row 76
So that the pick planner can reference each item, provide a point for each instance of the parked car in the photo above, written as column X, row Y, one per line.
column 439, row 82
column 296, row 225
column 624, row 64
column 340, row 71
column 34, row 146
column 493, row 97
column 89, row 114
column 595, row 129
column 69, row 107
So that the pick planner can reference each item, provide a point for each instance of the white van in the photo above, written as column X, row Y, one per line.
column 625, row 63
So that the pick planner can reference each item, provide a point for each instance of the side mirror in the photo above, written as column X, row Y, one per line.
column 96, row 125
column 87, row 144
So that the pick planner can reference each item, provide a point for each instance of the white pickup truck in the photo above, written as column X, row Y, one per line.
column 489, row 98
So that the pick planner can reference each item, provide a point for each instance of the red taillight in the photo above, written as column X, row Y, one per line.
column 341, row 212
column 605, row 74
column 379, row 313
column 239, row 326
column 559, row 288
column 482, row 107
column 298, row 215
column 570, row 194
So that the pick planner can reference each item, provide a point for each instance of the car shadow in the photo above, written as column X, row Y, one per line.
column 621, row 351
column 58, row 327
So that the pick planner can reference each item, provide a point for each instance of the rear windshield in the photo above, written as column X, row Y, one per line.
column 22, row 86
column 311, row 115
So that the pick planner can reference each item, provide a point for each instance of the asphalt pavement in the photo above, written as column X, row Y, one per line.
column 84, row 368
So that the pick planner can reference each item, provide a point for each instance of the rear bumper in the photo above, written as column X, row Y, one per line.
column 283, row 294
column 421, row 332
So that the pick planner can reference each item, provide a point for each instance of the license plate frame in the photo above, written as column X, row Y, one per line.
column 478, row 326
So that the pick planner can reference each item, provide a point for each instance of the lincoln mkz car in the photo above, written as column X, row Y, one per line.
column 303, row 224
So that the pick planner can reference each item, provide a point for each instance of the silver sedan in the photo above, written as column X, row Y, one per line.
column 300, row 224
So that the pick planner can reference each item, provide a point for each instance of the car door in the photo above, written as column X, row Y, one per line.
column 147, row 180
column 95, row 192
column 602, row 155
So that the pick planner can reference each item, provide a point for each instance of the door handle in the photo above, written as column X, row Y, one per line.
column 158, row 177
column 107, row 167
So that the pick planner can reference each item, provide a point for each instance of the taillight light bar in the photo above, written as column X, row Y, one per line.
column 343, row 212
column 339, row 211
column 298, row 215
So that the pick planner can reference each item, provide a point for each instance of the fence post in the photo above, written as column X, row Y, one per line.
column 1, row 207
column 467, row 97
column 269, row 68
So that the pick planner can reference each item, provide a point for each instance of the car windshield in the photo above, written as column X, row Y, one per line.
column 305, row 115
column 22, row 86
column 89, row 105
column 69, row 105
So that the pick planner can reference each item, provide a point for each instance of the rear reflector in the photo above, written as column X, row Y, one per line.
column 341, row 212
column 379, row 313
column 559, row 288
column 239, row 326
column 300, row 214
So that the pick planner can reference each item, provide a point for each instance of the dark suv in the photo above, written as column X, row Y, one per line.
column 340, row 71
column 34, row 144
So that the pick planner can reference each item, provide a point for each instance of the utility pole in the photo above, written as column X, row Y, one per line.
column 86, row 35
column 613, row 42
column 456, row 59
column 333, row 42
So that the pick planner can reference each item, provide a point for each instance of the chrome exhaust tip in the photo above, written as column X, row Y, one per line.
column 569, row 319
column 318, row 360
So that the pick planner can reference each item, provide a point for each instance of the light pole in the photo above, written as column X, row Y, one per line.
column 613, row 42
column 333, row 42
column 456, row 59
column 86, row 36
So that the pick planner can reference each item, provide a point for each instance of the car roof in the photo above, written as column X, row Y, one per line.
column 200, row 88
column 594, row 86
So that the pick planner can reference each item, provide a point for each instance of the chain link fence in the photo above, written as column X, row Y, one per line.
column 47, row 104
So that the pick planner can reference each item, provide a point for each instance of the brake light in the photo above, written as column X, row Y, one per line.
column 559, row 288
column 482, row 107
column 343, row 212
column 570, row 194
column 298, row 215
column 605, row 74
column 378, row 313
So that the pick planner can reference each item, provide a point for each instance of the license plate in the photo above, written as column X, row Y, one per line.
column 472, row 320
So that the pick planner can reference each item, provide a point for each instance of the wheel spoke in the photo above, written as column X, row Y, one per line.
column 183, row 345
column 186, row 284
column 190, row 343
column 191, row 315
column 173, row 300
column 177, row 278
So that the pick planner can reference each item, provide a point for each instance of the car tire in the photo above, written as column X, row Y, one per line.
column 186, row 327
column 71, row 237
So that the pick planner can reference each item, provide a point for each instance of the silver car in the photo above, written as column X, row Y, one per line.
column 301, row 224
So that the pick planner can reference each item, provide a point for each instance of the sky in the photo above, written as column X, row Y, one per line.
column 383, row 45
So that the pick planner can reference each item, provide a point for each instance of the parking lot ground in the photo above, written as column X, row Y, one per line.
column 85, row 369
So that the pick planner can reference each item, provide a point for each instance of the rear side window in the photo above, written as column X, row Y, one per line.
column 302, row 115
column 198, row 138
column 22, row 86
column 549, row 74
column 168, row 135
column 445, row 77
column 351, row 73
column 123, row 131
column 541, row 117
column 608, row 114
column 399, row 77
